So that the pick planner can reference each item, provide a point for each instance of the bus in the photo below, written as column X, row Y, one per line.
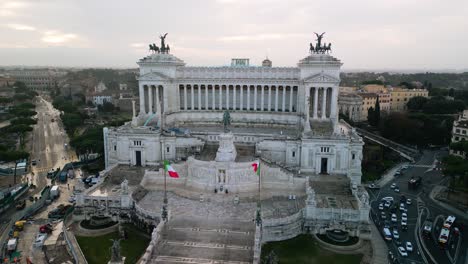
column 444, row 236
column 449, row 221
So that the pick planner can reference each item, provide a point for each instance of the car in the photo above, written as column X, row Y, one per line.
column 404, row 224
column 402, row 251
column 373, row 186
column 397, row 190
column 402, row 206
column 408, row 201
column 393, row 185
column 388, row 198
column 383, row 215
column 381, row 206
column 390, row 255
column 397, row 173
column 387, row 204
column 394, row 218
column 409, row 247
column 396, row 235
column 404, row 217
column 387, row 224
column 404, row 167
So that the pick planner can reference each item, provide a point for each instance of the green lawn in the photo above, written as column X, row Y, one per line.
column 304, row 249
column 97, row 249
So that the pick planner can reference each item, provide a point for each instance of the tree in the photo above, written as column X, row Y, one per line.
column 451, row 92
column 106, row 107
column 416, row 103
column 371, row 116
column 377, row 112
column 23, row 121
column 456, row 168
column 20, row 130
column 15, row 156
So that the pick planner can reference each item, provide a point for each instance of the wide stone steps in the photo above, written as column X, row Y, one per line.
column 199, row 240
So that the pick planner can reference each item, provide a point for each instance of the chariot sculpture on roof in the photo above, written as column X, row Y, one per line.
column 164, row 48
column 319, row 48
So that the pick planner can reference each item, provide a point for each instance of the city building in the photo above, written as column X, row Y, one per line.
column 401, row 96
column 217, row 126
column 100, row 87
column 368, row 101
column 6, row 81
column 460, row 132
column 101, row 98
column 350, row 105
column 39, row 79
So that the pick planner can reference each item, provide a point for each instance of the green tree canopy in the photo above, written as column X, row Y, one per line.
column 416, row 103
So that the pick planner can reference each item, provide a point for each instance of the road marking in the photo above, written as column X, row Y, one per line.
column 204, row 245
column 165, row 259
column 211, row 230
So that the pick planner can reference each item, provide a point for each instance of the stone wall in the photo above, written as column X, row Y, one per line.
column 278, row 229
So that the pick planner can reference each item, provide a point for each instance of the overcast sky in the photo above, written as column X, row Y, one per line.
column 365, row 34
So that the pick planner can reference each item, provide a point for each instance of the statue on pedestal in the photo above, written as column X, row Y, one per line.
column 226, row 121
column 115, row 251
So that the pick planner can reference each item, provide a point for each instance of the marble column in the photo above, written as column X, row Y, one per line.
column 206, row 98
column 334, row 101
column 276, row 98
column 150, row 99
column 199, row 97
column 158, row 105
column 307, row 110
column 213, row 97
column 248, row 97
column 255, row 98
column 185, row 97
column 192, row 98
column 227, row 97
column 262, row 101
column 315, row 102
column 241, row 98
column 283, row 107
column 324, row 102
column 269, row 98
column 142, row 99
column 291, row 95
column 220, row 97
column 234, row 95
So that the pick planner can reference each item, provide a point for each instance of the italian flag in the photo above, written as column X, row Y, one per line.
column 170, row 170
column 256, row 167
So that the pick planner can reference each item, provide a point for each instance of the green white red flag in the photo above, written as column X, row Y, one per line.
column 170, row 170
column 256, row 167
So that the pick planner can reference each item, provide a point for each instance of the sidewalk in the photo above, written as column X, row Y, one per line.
column 436, row 191
column 379, row 247
column 389, row 175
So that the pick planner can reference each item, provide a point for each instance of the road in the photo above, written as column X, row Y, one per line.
column 422, row 208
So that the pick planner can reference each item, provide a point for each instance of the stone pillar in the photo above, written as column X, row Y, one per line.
column 269, row 99
column 283, row 108
column 315, row 102
column 207, row 104
column 227, row 97
column 248, row 97
column 255, row 98
column 199, row 97
column 307, row 110
column 220, row 97
column 158, row 105
column 324, row 103
column 213, row 97
column 262, row 106
column 234, row 95
column 241, row 98
column 185, row 97
column 142, row 99
column 150, row 100
column 291, row 95
column 334, row 100
column 276, row 98
column 192, row 97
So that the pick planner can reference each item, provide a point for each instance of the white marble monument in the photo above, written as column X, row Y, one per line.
column 227, row 150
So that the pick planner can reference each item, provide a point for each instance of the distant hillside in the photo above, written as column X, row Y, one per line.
column 457, row 81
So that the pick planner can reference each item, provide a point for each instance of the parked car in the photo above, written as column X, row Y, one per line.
column 381, row 206
column 383, row 215
column 394, row 218
column 408, row 201
column 397, row 190
column 402, row 207
column 387, row 204
column 393, row 185
column 397, row 173
column 402, row 251
column 396, row 235
column 373, row 186
column 404, row 217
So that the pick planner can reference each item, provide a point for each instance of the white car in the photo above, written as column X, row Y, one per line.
column 393, row 185
column 381, row 206
column 404, row 217
column 402, row 207
column 394, row 218
column 402, row 251
column 387, row 204
column 396, row 235
column 408, row 201
column 383, row 215
column 404, row 223
column 409, row 247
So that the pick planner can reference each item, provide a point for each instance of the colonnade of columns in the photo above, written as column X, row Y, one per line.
column 322, row 102
column 151, row 99
column 238, row 97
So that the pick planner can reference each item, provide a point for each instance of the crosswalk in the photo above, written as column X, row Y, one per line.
column 171, row 259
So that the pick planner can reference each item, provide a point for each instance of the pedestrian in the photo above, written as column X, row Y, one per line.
column 68, row 186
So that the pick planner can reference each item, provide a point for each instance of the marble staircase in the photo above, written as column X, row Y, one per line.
column 208, row 241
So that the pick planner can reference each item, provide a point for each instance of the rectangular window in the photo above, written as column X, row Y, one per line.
column 115, row 147
column 353, row 156
column 294, row 154
column 167, row 149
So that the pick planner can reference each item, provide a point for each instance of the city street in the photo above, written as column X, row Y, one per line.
column 422, row 208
